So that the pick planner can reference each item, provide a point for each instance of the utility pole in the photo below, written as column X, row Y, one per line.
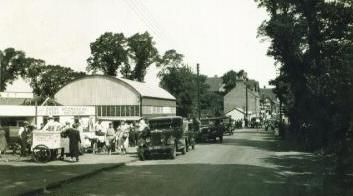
column 0, row 77
column 246, row 103
column 198, row 91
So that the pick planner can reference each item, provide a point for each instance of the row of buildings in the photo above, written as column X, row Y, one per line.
column 89, row 99
column 111, row 99
column 246, row 100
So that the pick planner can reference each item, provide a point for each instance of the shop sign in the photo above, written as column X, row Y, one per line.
column 66, row 111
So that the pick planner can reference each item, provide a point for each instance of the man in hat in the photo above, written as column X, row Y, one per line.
column 24, row 137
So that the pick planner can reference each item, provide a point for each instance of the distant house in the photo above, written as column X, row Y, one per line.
column 269, row 104
column 244, row 98
column 236, row 113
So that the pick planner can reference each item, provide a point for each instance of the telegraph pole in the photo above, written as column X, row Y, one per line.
column 198, row 90
column 0, row 71
column 246, row 104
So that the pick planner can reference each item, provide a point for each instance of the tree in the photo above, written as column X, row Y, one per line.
column 13, row 65
column 143, row 52
column 170, row 59
column 181, row 82
column 312, row 43
column 46, row 80
column 229, row 80
column 108, row 53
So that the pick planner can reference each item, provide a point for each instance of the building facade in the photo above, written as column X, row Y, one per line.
column 244, row 97
column 269, row 103
column 117, row 98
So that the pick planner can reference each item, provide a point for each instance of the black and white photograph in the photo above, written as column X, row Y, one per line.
column 176, row 97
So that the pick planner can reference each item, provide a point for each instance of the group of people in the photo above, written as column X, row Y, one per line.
column 119, row 138
column 125, row 135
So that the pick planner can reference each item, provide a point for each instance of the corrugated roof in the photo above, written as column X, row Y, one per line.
column 148, row 90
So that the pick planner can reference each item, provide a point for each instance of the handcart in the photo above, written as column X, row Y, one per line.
column 47, row 144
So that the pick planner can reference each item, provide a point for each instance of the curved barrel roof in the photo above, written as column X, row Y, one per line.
column 141, row 88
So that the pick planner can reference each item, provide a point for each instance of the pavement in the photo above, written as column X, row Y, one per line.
column 20, row 175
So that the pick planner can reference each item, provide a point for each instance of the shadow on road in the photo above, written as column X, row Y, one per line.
column 193, row 179
column 266, row 142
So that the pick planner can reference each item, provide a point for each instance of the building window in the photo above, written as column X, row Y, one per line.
column 119, row 110
column 104, row 110
column 123, row 110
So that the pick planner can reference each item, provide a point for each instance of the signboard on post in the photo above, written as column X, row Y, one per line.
column 66, row 111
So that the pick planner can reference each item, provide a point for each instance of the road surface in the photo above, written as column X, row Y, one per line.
column 247, row 163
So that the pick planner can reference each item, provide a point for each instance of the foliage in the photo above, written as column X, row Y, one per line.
column 170, row 59
column 229, row 80
column 211, row 103
column 143, row 52
column 312, row 42
column 46, row 80
column 181, row 82
column 108, row 53
column 13, row 64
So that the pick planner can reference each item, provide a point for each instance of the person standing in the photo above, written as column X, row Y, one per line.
column 23, row 134
column 74, row 142
column 110, row 138
column 122, row 136
column 3, row 142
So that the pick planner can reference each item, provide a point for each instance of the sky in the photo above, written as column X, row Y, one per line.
column 220, row 35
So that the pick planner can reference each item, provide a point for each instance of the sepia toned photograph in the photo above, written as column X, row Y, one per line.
column 176, row 97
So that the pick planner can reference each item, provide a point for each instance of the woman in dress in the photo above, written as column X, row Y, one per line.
column 122, row 137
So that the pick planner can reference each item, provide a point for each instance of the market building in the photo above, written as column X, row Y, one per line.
column 117, row 99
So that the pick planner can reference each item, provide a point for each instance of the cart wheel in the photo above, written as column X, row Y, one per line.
column 41, row 153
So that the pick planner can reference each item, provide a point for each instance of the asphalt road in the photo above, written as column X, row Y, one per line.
column 247, row 163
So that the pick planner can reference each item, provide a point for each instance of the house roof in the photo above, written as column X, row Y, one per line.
column 268, row 93
column 215, row 84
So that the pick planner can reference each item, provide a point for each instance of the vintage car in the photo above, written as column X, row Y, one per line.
column 255, row 122
column 166, row 135
column 228, row 126
column 211, row 129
